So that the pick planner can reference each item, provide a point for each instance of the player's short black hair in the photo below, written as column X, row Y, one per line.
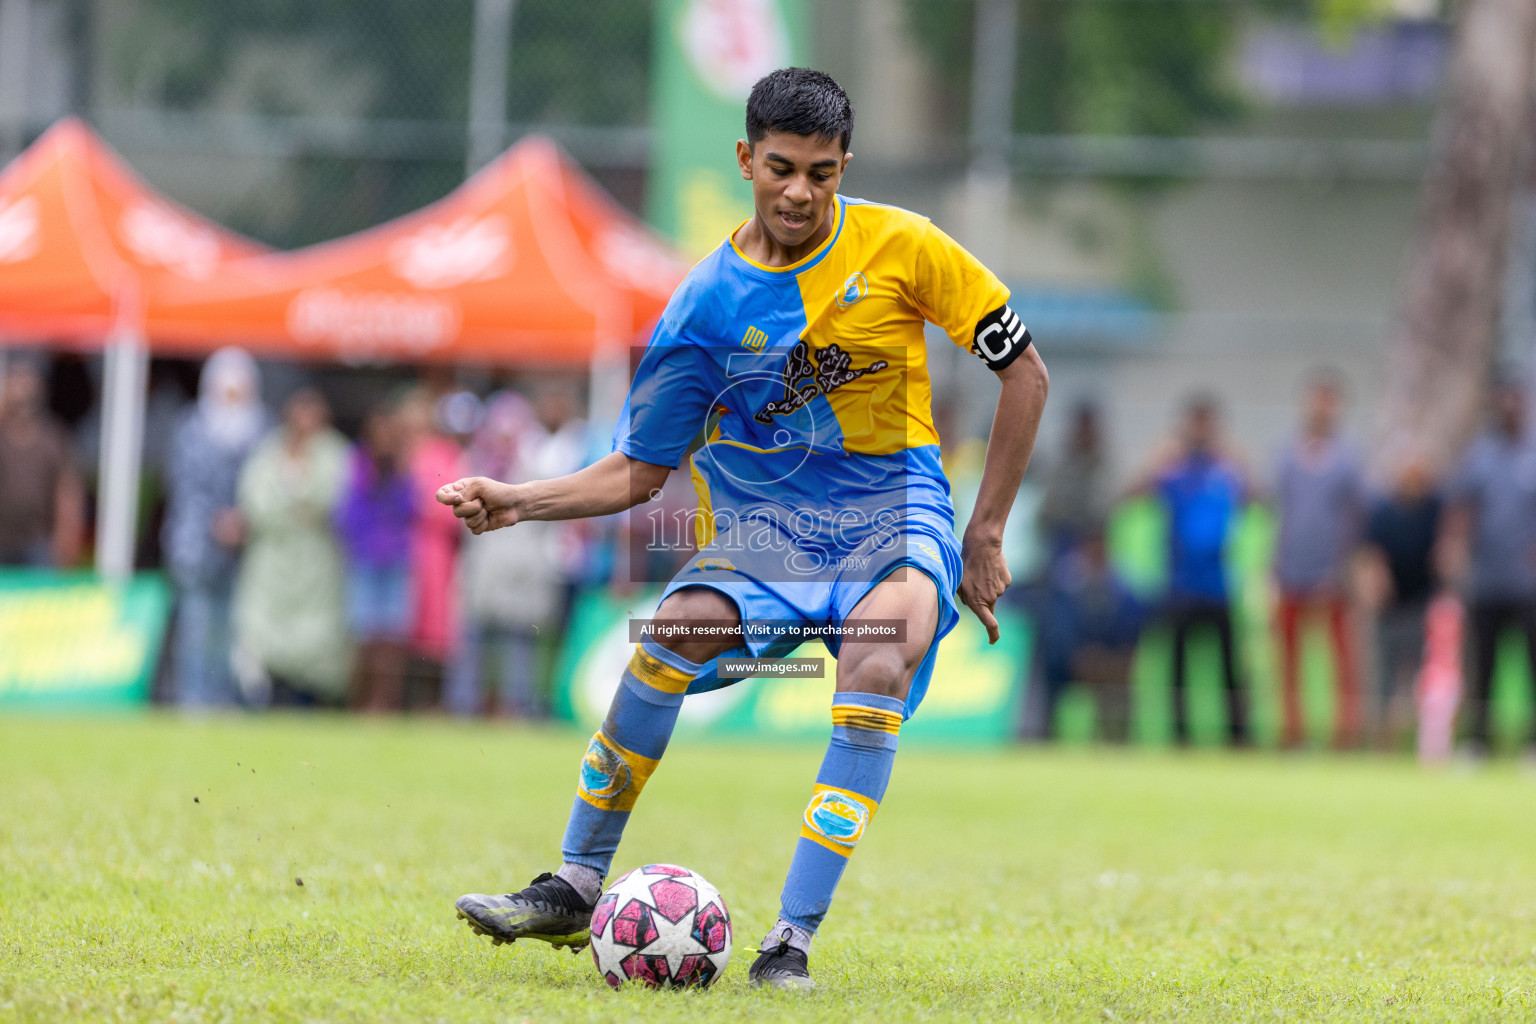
column 800, row 101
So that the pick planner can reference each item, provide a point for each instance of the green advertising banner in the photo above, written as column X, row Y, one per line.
column 69, row 641
column 708, row 55
column 974, row 696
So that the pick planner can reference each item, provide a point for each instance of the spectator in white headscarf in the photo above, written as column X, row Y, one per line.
column 203, row 527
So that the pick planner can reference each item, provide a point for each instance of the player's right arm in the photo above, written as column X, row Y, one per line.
column 668, row 401
column 611, row 484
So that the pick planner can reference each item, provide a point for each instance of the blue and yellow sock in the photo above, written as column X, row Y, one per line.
column 849, row 788
column 622, row 756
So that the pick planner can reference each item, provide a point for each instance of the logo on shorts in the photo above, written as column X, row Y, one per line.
column 836, row 817
column 715, row 563
column 604, row 774
column 854, row 289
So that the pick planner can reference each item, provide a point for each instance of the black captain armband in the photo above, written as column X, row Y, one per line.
column 1000, row 338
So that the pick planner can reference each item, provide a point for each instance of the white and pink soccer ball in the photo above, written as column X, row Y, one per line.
column 662, row 926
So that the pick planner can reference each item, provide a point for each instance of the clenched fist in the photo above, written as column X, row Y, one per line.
column 482, row 503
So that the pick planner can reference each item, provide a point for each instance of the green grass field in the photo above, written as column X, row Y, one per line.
column 148, row 871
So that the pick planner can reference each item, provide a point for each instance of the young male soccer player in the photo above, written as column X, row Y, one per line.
column 797, row 349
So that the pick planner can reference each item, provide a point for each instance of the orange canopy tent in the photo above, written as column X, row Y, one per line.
column 83, row 243
column 82, row 239
column 527, row 263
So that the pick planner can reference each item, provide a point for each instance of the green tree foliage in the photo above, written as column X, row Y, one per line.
column 581, row 63
column 584, row 64
column 570, row 63
column 418, row 54
column 1339, row 20
column 1121, row 67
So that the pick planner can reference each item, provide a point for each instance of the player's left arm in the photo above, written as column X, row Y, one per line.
column 952, row 289
column 1014, row 425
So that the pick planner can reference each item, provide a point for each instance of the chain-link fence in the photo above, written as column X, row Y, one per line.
column 329, row 117
column 298, row 121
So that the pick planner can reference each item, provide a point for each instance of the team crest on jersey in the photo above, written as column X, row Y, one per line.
column 604, row 774
column 754, row 340
column 854, row 289
column 805, row 379
column 834, row 816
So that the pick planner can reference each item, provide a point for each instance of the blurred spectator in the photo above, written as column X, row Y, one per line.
column 561, row 445
column 516, row 581
column 203, row 527
column 1075, row 498
column 1073, row 505
column 290, row 630
column 1318, row 497
column 1492, row 520
column 42, row 497
column 432, row 459
column 511, row 577
column 1400, row 539
column 564, row 446
column 1103, row 621
column 376, row 518
column 1203, row 487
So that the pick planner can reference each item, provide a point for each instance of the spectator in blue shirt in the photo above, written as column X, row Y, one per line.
column 1491, row 520
column 1103, row 620
column 1074, row 506
column 1203, row 487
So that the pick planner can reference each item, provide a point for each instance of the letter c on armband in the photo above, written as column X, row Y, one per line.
column 1000, row 338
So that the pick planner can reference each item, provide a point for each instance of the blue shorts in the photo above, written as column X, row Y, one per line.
column 767, row 586
column 380, row 605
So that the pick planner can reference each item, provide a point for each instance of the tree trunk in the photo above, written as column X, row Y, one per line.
column 1443, row 343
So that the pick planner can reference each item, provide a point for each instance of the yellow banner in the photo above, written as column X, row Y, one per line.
column 71, row 639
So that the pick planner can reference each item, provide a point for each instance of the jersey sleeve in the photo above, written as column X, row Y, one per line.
column 951, row 288
column 668, row 400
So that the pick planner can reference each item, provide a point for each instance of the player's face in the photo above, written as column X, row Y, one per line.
column 794, row 181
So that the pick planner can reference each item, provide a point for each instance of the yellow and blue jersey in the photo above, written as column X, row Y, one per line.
column 809, row 383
